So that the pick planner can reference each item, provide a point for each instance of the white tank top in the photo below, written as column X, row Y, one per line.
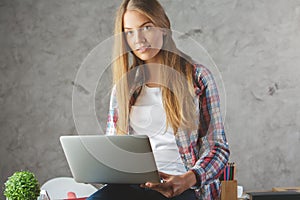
column 148, row 117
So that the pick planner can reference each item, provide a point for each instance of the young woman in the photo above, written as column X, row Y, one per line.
column 161, row 92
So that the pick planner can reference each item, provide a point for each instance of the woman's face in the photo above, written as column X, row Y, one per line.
column 143, row 38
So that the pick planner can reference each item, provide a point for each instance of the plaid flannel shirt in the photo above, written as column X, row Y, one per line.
column 204, row 151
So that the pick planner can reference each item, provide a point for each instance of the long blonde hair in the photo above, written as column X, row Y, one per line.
column 177, row 93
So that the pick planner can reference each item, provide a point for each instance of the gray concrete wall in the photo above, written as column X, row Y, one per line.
column 254, row 43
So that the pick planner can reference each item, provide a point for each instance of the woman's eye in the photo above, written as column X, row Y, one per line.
column 146, row 28
column 129, row 33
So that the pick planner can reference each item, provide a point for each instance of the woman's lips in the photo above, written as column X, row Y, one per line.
column 142, row 49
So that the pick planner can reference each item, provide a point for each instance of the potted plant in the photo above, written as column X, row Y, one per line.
column 22, row 185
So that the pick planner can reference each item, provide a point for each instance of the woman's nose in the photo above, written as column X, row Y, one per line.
column 139, row 36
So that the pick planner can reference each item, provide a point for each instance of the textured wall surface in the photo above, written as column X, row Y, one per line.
column 254, row 44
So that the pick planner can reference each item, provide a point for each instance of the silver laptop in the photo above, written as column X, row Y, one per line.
column 110, row 159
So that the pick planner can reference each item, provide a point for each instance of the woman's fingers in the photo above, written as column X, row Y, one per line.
column 164, row 175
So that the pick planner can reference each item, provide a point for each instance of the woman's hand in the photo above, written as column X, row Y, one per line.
column 172, row 185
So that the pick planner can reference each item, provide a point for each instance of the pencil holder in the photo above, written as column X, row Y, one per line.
column 229, row 190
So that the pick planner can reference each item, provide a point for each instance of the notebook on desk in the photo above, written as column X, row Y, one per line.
column 110, row 159
column 286, row 195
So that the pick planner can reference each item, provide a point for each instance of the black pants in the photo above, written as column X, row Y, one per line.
column 135, row 192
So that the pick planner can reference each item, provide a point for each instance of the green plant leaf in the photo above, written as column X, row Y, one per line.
column 22, row 185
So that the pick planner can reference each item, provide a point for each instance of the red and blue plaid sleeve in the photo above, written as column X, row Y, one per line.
column 214, row 151
column 112, row 114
